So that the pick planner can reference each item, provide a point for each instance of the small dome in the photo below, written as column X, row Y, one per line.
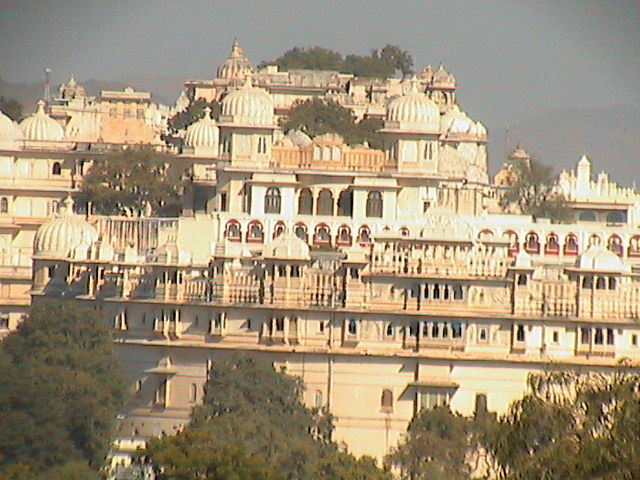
column 597, row 257
column 41, row 126
column 414, row 111
column 237, row 66
column 456, row 121
column 248, row 105
column 9, row 130
column 64, row 234
column 519, row 153
column 203, row 133
column 443, row 78
column 287, row 246
column 298, row 138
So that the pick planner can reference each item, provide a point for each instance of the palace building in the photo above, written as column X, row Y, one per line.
column 388, row 280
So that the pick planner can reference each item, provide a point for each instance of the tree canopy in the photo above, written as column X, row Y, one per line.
column 533, row 190
column 192, row 114
column 60, row 390
column 11, row 108
column 317, row 116
column 566, row 426
column 380, row 63
column 252, row 422
column 129, row 182
column 572, row 426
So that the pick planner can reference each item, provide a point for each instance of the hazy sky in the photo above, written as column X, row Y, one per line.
column 512, row 59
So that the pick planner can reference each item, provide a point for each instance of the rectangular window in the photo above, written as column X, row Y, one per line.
column 555, row 337
column 483, row 334
column 634, row 340
column 585, row 336
column 435, row 398
column 610, row 336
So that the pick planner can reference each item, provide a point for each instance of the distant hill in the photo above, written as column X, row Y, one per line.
column 607, row 135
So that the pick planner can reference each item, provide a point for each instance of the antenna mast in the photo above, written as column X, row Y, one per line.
column 47, row 88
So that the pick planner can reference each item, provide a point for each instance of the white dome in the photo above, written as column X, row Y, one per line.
column 237, row 66
column 249, row 106
column 286, row 246
column 64, row 234
column 597, row 257
column 413, row 111
column 203, row 133
column 456, row 121
column 9, row 130
column 41, row 126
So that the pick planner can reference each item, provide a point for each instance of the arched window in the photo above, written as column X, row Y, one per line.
column 56, row 169
column 279, row 229
column 53, row 207
column 531, row 243
column 193, row 393
column 634, row 246
column 615, row 217
column 301, row 231
column 4, row 205
column 364, row 235
column 305, row 202
column 232, row 231
column 570, row 245
column 551, row 246
column 325, row 202
column 322, row 235
column 614, row 244
column 318, row 399
column 386, row 400
column 345, row 203
column 255, row 233
column 344, row 236
column 485, row 235
column 514, row 243
column 587, row 217
column 594, row 240
column 272, row 200
column 374, row 204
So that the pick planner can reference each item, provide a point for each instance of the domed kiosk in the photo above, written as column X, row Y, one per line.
column 41, row 127
column 66, row 235
column 237, row 66
column 202, row 137
column 246, row 126
column 412, row 129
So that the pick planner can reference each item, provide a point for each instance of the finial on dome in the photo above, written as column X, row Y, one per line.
column 414, row 84
column 207, row 113
column 67, row 206
column 40, row 109
column 248, row 83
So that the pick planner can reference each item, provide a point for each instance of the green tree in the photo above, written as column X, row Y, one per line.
column 371, row 66
column 399, row 59
column 252, row 416
column 317, row 116
column 192, row 114
column 436, row 447
column 131, row 181
column 11, row 108
column 315, row 58
column 60, row 389
column 534, row 191
column 572, row 426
